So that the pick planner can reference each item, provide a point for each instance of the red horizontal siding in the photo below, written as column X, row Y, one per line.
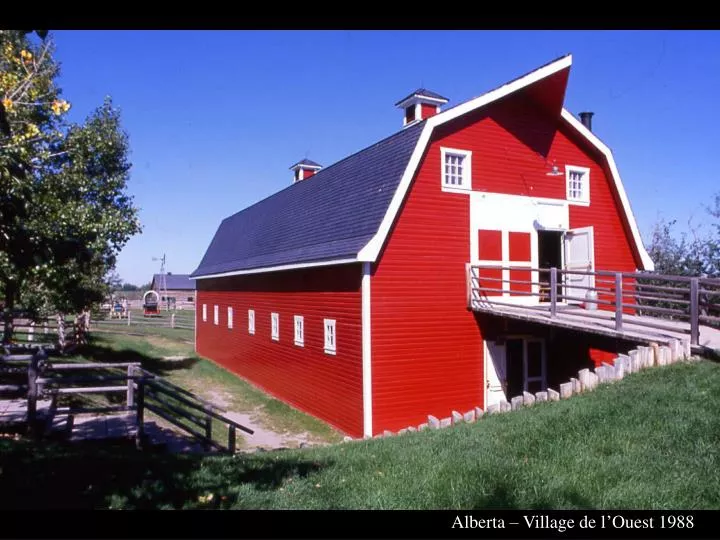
column 427, row 347
column 428, row 110
column 324, row 385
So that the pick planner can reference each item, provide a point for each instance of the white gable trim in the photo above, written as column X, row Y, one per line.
column 372, row 249
column 597, row 143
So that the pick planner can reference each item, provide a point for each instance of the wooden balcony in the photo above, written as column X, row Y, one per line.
column 644, row 307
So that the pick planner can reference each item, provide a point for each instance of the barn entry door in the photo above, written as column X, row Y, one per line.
column 578, row 247
column 495, row 373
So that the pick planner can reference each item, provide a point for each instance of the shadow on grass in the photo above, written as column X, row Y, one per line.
column 101, row 475
column 501, row 498
column 154, row 364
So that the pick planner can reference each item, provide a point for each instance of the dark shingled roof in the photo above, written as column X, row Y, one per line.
column 422, row 92
column 308, row 162
column 329, row 216
column 173, row 282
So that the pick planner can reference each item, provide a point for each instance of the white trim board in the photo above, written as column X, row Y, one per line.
column 276, row 268
column 367, row 351
column 597, row 143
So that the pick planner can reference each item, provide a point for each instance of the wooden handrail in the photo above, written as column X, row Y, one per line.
column 646, row 293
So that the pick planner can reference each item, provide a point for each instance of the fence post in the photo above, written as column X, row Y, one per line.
column 130, row 387
column 172, row 321
column 128, row 317
column 618, row 302
column 694, row 312
column 140, row 434
column 208, row 429
column 553, row 291
column 61, row 331
column 31, row 332
column 231, row 439
column 33, row 373
column 45, row 327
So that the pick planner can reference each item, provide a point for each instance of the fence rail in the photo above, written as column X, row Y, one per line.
column 143, row 391
column 695, row 300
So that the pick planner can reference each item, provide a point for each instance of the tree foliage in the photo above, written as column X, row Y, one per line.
column 696, row 253
column 64, row 210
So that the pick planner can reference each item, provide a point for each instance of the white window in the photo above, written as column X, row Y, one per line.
column 204, row 312
column 330, row 346
column 456, row 169
column 578, row 184
column 216, row 315
column 299, row 331
column 251, row 321
column 230, row 317
column 275, row 326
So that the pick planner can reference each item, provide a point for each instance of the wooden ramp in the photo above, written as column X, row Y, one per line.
column 635, row 328
column 641, row 307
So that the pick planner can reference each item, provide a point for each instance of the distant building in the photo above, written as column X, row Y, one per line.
column 175, row 290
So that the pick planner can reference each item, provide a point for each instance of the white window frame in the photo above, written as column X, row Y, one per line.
column 204, row 312
column 330, row 336
column 466, row 177
column 275, row 326
column 299, row 326
column 230, row 317
column 584, row 199
column 216, row 315
column 251, row 321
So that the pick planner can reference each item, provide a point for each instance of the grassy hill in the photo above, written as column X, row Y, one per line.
column 649, row 441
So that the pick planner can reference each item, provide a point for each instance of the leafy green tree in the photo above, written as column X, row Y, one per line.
column 64, row 210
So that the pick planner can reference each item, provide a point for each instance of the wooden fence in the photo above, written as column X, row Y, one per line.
column 141, row 391
column 693, row 300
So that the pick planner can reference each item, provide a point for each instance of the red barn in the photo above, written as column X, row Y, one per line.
column 346, row 294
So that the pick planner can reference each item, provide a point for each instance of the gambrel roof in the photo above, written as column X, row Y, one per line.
column 345, row 212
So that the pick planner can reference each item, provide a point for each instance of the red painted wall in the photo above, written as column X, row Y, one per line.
column 427, row 110
column 427, row 347
column 327, row 386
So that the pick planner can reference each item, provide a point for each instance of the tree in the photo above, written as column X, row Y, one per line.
column 64, row 210
column 696, row 253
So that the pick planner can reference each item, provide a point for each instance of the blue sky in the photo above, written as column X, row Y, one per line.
column 216, row 118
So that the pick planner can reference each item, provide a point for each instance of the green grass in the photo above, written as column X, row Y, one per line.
column 650, row 441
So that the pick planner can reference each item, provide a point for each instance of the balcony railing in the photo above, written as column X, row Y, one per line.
column 644, row 298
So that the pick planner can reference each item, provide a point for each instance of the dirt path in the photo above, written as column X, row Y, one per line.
column 264, row 437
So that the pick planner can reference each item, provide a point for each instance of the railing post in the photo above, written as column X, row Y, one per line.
column 618, row 302
column 172, row 321
column 130, row 387
column 694, row 312
column 553, row 291
column 208, row 430
column 468, row 284
column 32, row 395
column 231, row 438
column 128, row 317
column 140, row 434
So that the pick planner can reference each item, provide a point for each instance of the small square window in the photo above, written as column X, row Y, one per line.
column 230, row 317
column 299, row 331
column 251, row 321
column 204, row 312
column 330, row 337
column 216, row 315
column 275, row 326
column 456, row 169
column 578, row 184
